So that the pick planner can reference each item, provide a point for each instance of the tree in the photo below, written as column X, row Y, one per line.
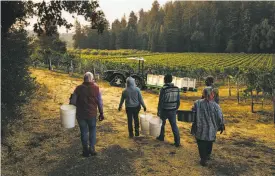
column 17, row 85
column 51, row 48
column 49, row 12
column 262, row 37
column 78, row 35
column 230, row 47
column 132, row 31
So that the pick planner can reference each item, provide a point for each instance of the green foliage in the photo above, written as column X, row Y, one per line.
column 48, row 50
column 17, row 85
column 230, row 47
column 196, row 65
column 50, row 14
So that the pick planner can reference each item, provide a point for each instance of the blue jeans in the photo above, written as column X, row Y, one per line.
column 171, row 116
column 85, row 125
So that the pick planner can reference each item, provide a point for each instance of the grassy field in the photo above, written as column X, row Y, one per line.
column 37, row 145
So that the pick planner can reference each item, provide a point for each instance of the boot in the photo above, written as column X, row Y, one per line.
column 203, row 162
column 131, row 135
column 160, row 138
column 92, row 151
column 136, row 132
column 85, row 152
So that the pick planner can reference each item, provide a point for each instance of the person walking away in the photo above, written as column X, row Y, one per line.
column 209, row 82
column 87, row 98
column 208, row 121
column 169, row 102
column 133, row 102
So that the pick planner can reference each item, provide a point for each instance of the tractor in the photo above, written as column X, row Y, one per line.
column 118, row 77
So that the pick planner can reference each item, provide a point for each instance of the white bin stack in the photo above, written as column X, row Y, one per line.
column 160, row 80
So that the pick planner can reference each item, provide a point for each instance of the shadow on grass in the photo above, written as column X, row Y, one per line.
column 250, row 153
column 228, row 168
column 112, row 160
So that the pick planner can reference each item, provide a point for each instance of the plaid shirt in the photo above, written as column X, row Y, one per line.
column 208, row 119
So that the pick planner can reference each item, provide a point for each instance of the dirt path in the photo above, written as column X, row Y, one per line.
column 39, row 146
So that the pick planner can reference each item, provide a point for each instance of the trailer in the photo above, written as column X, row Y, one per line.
column 143, row 80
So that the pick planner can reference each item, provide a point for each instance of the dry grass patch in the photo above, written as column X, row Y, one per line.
column 39, row 146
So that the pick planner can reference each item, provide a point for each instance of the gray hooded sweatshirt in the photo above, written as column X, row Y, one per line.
column 131, row 95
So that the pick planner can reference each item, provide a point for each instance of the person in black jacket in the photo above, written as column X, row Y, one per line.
column 169, row 102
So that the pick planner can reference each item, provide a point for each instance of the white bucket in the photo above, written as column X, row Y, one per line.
column 67, row 115
column 155, row 126
column 144, row 123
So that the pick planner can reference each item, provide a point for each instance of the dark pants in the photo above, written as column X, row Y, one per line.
column 171, row 116
column 205, row 148
column 132, row 113
column 86, row 125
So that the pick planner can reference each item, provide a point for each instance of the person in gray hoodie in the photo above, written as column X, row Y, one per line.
column 133, row 101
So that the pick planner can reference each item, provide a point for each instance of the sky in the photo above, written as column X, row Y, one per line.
column 112, row 9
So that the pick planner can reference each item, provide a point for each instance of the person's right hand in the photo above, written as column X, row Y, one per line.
column 222, row 128
column 144, row 109
column 101, row 117
column 119, row 108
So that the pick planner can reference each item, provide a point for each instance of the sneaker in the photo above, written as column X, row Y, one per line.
column 177, row 145
column 208, row 157
column 137, row 134
column 160, row 138
column 131, row 135
column 203, row 163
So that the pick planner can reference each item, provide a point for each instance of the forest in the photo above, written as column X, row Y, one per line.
column 183, row 26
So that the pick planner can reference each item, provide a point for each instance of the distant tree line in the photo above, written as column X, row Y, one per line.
column 182, row 26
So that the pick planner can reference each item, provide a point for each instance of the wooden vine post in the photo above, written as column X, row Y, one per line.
column 252, row 102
